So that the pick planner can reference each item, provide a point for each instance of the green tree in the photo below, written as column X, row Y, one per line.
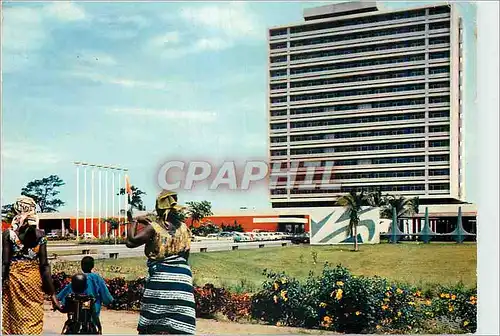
column 199, row 210
column 377, row 199
column 136, row 199
column 7, row 213
column 354, row 201
column 44, row 193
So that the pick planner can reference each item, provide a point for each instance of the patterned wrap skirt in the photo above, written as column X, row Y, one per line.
column 168, row 305
column 22, row 300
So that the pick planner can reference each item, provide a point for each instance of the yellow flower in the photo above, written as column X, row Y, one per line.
column 466, row 323
column 384, row 307
column 283, row 280
column 447, row 295
column 442, row 295
column 450, row 308
column 418, row 293
column 388, row 288
column 322, row 305
column 358, row 313
column 453, row 297
column 276, row 286
column 472, row 298
column 411, row 303
column 399, row 313
column 387, row 300
column 338, row 296
column 283, row 293
column 378, row 327
column 399, row 291
column 388, row 294
column 275, row 298
column 279, row 324
column 340, row 283
column 428, row 302
column 327, row 319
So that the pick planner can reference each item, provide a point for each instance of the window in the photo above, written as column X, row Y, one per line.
column 439, row 10
column 278, row 152
column 277, row 113
column 280, row 86
column 278, row 73
column 278, row 126
column 441, row 54
column 276, row 100
column 439, row 172
column 356, row 64
column 439, row 114
column 281, row 45
column 346, row 107
column 439, row 129
column 439, row 186
column 439, row 70
column 278, row 32
column 439, row 143
column 356, row 36
column 437, row 85
column 278, row 139
column 357, row 21
column 439, row 158
column 278, row 59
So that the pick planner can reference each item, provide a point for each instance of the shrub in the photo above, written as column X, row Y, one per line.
column 210, row 300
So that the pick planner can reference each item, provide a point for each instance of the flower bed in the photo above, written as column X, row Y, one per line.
column 334, row 301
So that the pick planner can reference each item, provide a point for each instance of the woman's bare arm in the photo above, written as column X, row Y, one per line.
column 6, row 255
column 48, row 285
column 136, row 239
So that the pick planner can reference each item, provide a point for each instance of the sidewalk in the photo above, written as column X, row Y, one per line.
column 125, row 323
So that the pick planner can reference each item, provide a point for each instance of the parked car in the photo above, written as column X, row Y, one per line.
column 52, row 235
column 241, row 237
column 88, row 235
column 302, row 238
column 226, row 234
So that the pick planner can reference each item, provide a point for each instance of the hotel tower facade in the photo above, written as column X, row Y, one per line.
column 375, row 93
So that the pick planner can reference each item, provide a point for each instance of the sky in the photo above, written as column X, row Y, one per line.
column 137, row 84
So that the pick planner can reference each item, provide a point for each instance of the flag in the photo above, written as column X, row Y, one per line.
column 128, row 187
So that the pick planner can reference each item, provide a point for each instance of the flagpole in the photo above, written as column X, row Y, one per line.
column 77, row 197
column 100, row 201
column 92, row 204
column 118, row 201
column 126, row 196
column 107, row 199
column 84, row 199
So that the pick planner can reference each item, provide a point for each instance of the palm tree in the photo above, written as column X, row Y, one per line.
column 199, row 210
column 354, row 201
column 405, row 207
column 376, row 199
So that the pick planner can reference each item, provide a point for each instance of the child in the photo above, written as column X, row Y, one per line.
column 96, row 286
column 80, row 307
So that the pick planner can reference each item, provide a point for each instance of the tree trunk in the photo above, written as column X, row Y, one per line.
column 356, row 248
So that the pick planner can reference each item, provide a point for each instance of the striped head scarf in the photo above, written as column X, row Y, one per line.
column 25, row 212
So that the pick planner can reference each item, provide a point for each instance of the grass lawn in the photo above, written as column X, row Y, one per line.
column 419, row 264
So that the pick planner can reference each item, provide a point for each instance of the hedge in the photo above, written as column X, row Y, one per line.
column 336, row 300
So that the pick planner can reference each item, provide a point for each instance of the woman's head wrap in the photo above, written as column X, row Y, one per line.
column 25, row 212
column 166, row 202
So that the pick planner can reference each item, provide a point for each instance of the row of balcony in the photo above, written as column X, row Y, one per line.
column 279, row 34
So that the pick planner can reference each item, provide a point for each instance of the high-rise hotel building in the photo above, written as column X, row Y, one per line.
column 375, row 93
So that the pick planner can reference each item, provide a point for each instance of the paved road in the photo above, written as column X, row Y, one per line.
column 104, row 251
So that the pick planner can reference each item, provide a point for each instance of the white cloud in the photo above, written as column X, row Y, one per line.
column 65, row 11
column 234, row 19
column 165, row 40
column 201, row 116
column 25, row 30
column 121, row 81
column 20, row 153
column 22, row 30
column 211, row 28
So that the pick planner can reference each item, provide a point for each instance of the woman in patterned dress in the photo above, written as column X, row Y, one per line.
column 25, row 272
column 168, row 305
